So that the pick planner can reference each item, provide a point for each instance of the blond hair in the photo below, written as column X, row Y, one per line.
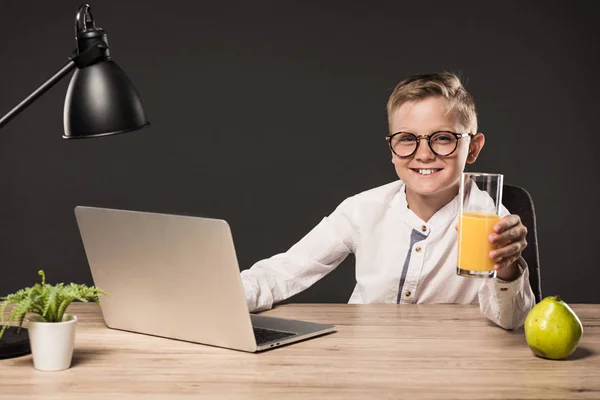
column 444, row 84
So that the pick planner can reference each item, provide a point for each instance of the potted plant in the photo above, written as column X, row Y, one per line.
column 51, row 330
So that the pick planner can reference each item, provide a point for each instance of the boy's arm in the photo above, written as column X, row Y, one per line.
column 507, row 303
column 319, row 252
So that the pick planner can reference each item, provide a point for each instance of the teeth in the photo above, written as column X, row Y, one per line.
column 426, row 171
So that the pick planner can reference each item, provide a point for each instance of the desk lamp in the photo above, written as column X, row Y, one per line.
column 100, row 101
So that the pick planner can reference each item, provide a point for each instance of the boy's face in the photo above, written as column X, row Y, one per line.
column 424, row 117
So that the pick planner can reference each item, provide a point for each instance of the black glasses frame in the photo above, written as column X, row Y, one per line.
column 428, row 137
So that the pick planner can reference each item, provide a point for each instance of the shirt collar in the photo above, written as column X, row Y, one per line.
column 441, row 217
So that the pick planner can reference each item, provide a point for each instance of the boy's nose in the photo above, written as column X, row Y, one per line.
column 423, row 150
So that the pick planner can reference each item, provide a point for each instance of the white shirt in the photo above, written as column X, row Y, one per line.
column 399, row 259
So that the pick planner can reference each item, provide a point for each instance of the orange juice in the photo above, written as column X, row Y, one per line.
column 473, row 241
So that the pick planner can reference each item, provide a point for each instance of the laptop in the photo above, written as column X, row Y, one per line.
column 177, row 277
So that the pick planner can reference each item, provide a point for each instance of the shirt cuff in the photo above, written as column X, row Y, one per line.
column 507, row 303
column 504, row 288
column 249, row 293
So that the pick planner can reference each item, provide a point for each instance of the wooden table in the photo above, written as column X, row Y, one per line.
column 380, row 351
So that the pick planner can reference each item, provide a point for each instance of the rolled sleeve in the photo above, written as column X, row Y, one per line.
column 507, row 303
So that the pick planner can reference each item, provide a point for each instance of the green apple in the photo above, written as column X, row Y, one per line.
column 552, row 329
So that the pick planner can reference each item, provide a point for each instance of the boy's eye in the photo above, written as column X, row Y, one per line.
column 406, row 138
column 443, row 138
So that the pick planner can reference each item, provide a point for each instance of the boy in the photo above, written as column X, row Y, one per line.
column 403, row 234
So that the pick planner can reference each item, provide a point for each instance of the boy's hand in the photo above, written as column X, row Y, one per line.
column 509, row 238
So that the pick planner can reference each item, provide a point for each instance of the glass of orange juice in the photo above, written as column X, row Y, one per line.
column 480, row 203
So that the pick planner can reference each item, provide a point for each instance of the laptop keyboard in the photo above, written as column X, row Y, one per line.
column 268, row 335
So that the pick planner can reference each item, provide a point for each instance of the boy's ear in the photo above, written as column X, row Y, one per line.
column 475, row 147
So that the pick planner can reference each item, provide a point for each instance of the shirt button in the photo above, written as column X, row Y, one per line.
column 418, row 249
column 407, row 293
column 423, row 228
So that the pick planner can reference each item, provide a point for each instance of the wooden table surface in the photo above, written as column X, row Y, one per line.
column 381, row 351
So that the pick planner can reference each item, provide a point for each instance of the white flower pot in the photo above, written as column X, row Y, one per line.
column 52, row 342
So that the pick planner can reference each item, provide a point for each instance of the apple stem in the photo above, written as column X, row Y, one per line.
column 557, row 298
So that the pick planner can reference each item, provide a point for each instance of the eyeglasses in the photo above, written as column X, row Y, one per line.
column 441, row 143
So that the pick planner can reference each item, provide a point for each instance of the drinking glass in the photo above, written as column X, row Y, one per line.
column 480, row 203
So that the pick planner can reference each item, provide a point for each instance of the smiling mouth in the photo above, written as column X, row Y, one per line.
column 426, row 171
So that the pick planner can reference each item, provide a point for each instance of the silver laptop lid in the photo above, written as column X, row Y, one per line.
column 167, row 275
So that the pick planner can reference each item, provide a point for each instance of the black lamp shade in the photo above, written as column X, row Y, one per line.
column 100, row 101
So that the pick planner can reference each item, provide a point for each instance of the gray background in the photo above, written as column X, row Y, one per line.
column 269, row 114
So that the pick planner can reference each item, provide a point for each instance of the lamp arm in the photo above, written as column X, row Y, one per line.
column 97, row 51
column 38, row 92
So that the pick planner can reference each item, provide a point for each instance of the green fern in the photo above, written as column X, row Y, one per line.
column 48, row 301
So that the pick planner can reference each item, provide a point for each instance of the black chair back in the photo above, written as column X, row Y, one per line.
column 518, row 201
